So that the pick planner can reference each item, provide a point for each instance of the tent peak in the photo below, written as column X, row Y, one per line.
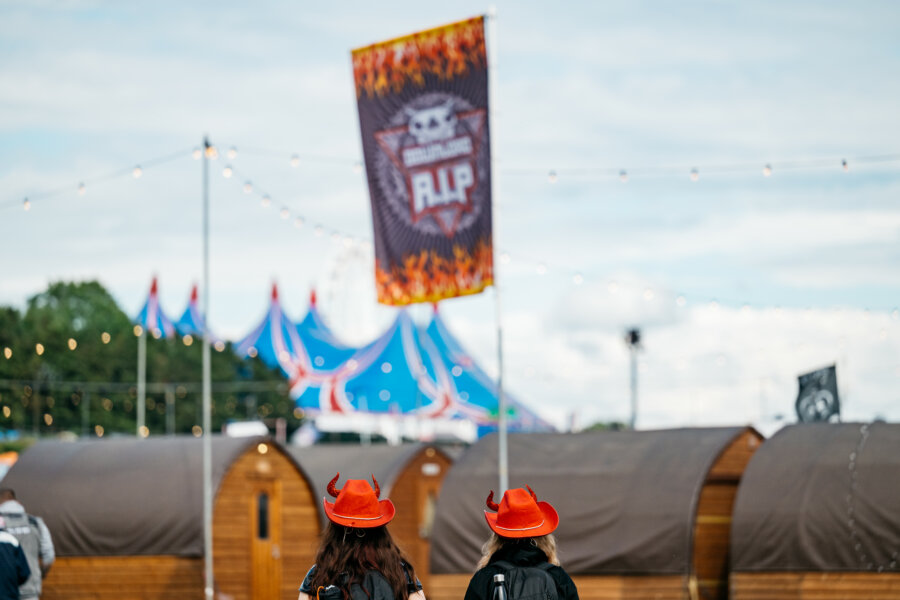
column 312, row 297
column 274, row 291
column 194, row 293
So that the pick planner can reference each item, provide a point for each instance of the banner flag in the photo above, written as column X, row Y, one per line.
column 818, row 399
column 423, row 112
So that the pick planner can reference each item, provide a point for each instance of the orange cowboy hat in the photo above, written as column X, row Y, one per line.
column 520, row 515
column 357, row 504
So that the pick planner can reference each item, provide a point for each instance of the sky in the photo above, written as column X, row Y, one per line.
column 739, row 282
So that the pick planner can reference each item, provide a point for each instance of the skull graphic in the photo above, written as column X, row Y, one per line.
column 432, row 124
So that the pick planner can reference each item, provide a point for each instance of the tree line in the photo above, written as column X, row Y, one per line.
column 69, row 364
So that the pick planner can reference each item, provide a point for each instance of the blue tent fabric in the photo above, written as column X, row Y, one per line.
column 276, row 341
column 152, row 318
column 324, row 349
column 191, row 321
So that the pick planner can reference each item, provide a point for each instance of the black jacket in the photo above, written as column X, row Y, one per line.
column 523, row 554
column 14, row 569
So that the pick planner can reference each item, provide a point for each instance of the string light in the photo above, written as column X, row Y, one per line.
column 82, row 189
column 541, row 269
column 137, row 171
column 39, row 349
column 98, row 429
column 695, row 175
column 105, row 337
column 138, row 331
column 623, row 176
column 551, row 177
column 680, row 301
column 578, row 279
column 266, row 201
column 357, row 167
column 767, row 170
column 252, row 352
column 232, row 153
column 285, row 213
column 504, row 258
column 26, row 204
column 248, row 187
column 144, row 431
column 72, row 344
column 7, row 352
column 298, row 222
column 156, row 333
column 212, row 153
column 227, row 172
column 295, row 161
column 197, row 153
column 187, row 340
column 319, row 231
column 845, row 166
column 648, row 294
column 335, row 236
column 219, row 346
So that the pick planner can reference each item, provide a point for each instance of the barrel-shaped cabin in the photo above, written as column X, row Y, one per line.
column 411, row 475
column 817, row 515
column 643, row 514
column 126, row 517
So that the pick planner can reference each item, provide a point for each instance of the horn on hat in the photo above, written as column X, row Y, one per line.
column 377, row 487
column 531, row 491
column 331, row 489
column 490, row 502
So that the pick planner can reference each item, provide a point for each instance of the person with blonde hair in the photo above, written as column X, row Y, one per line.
column 357, row 557
column 521, row 548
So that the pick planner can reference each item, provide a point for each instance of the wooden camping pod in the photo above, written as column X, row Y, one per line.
column 411, row 475
column 126, row 518
column 644, row 472
column 817, row 515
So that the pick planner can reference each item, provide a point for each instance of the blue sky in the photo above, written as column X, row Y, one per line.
column 777, row 275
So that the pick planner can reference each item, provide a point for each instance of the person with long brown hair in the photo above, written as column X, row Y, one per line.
column 357, row 557
column 521, row 547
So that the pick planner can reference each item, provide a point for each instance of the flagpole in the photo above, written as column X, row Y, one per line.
column 502, row 456
column 141, row 381
column 207, row 396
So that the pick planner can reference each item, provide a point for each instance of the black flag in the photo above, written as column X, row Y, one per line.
column 818, row 397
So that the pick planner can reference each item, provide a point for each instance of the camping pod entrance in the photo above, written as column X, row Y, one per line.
column 126, row 518
column 643, row 514
column 411, row 475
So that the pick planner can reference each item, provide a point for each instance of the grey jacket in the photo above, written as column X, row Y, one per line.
column 35, row 540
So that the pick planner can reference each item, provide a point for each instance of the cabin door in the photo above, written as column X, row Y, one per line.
column 265, row 545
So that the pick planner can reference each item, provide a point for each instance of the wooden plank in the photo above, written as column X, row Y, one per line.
column 815, row 586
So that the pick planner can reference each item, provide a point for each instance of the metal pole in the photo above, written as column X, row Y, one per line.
column 207, row 389
column 142, row 380
column 634, row 385
column 502, row 455
column 85, row 413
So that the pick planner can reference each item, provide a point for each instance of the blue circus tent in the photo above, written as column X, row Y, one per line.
column 472, row 386
column 275, row 340
column 191, row 321
column 152, row 318
column 325, row 350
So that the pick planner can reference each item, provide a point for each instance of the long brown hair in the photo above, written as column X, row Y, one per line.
column 355, row 551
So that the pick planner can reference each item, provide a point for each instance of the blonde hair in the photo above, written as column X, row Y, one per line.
column 544, row 543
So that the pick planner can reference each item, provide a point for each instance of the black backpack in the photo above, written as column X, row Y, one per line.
column 527, row 583
column 374, row 587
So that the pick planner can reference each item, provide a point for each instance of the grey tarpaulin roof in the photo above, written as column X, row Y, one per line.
column 821, row 497
column 322, row 461
column 626, row 499
column 121, row 496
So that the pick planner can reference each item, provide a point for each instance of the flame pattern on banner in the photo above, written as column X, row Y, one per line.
column 446, row 52
column 429, row 277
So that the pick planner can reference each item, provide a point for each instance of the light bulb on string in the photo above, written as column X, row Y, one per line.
column 649, row 294
column 695, row 175
column 266, row 201
column 285, row 213
column 212, row 153
column 552, row 177
column 232, row 153
column 335, row 236
column 767, row 170
column 541, row 269
column 298, row 222
column 578, row 279
column 845, row 166
column 295, row 161
column 26, row 204
column 248, row 187
column 137, row 171
column 623, row 176
column 227, row 172
column 680, row 301
column 73, row 343
column 319, row 231
column 82, row 189
column 348, row 241
column 357, row 167
column 197, row 153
